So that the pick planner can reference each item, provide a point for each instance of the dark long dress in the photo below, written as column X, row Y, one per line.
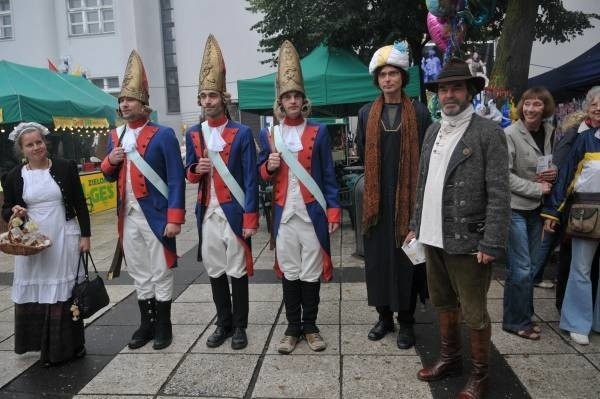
column 392, row 280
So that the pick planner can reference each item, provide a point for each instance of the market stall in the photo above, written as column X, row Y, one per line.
column 77, row 113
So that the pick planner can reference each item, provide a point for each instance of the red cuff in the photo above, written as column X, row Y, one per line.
column 264, row 174
column 250, row 220
column 191, row 176
column 107, row 167
column 334, row 215
column 176, row 216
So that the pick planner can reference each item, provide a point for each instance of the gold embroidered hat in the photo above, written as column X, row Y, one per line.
column 212, row 70
column 289, row 74
column 135, row 82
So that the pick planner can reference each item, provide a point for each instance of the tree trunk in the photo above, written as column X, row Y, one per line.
column 513, row 54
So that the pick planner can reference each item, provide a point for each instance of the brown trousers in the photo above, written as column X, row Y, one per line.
column 459, row 281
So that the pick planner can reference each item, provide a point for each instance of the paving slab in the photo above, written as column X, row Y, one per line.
column 495, row 309
column 7, row 328
column 8, row 344
column 263, row 312
column 111, row 397
column 496, row 290
column 12, row 365
column 593, row 347
column 257, row 337
column 288, row 377
column 354, row 292
column 330, row 333
column 192, row 313
column 508, row 344
column 265, row 293
column 383, row 377
column 546, row 310
column 330, row 292
column 556, row 376
column 5, row 301
column 151, row 371
column 196, row 293
column 358, row 312
column 355, row 342
column 196, row 375
column 8, row 314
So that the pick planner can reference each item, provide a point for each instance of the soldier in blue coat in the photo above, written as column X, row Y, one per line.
column 144, row 158
column 221, row 157
column 296, row 156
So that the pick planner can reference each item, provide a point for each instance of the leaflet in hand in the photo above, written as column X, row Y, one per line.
column 415, row 251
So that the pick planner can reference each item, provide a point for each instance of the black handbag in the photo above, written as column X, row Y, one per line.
column 89, row 296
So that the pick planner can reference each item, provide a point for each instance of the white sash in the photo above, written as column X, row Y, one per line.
column 298, row 169
column 143, row 166
column 223, row 170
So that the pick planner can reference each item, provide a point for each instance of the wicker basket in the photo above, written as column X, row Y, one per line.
column 17, row 248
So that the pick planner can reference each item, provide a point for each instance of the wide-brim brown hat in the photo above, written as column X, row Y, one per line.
column 455, row 70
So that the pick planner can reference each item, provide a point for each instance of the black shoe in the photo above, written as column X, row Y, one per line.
column 380, row 329
column 239, row 339
column 406, row 336
column 217, row 338
column 141, row 337
column 81, row 352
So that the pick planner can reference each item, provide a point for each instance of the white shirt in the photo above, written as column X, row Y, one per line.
column 294, row 203
column 451, row 131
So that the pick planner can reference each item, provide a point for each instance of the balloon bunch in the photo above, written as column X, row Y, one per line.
column 448, row 21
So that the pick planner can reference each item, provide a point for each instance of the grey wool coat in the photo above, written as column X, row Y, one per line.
column 476, row 195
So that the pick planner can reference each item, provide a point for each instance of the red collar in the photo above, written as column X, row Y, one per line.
column 216, row 122
column 293, row 122
column 137, row 123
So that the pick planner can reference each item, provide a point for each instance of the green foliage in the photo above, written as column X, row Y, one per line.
column 365, row 25
column 358, row 25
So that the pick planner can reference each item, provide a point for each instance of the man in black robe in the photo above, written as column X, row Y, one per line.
column 389, row 134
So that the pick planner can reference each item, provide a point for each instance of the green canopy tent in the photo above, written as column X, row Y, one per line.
column 40, row 95
column 336, row 82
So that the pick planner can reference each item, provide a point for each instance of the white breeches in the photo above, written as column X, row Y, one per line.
column 221, row 249
column 299, row 251
column 145, row 257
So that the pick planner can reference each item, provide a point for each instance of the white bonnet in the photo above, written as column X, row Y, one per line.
column 25, row 127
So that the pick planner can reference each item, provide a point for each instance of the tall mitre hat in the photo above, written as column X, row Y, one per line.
column 135, row 82
column 289, row 74
column 212, row 70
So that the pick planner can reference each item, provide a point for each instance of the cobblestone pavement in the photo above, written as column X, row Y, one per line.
column 350, row 367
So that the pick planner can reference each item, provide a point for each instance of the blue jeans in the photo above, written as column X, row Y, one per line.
column 578, row 314
column 548, row 244
column 524, row 240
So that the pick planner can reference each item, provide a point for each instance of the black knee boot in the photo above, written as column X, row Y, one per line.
column 145, row 332
column 292, row 299
column 239, row 289
column 222, row 300
column 163, row 335
column 310, row 306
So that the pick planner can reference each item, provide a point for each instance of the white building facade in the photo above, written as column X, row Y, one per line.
column 97, row 36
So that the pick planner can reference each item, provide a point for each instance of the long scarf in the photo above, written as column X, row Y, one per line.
column 408, row 168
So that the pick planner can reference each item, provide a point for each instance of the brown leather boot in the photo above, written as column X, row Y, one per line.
column 450, row 360
column 480, row 356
